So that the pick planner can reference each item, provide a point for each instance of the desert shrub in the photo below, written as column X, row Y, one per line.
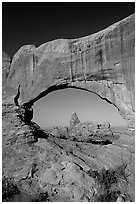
column 42, row 197
column 107, row 183
column 9, row 190
column 108, row 196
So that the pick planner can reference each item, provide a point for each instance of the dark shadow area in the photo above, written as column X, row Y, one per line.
column 100, row 142
column 9, row 190
column 95, row 142
column 42, row 197
column 11, row 193
column 109, row 184
column 38, row 132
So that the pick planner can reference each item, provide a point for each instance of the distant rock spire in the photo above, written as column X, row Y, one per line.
column 74, row 119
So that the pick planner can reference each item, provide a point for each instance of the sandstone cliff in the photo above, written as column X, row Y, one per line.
column 102, row 63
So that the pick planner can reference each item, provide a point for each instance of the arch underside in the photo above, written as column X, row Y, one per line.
column 93, row 88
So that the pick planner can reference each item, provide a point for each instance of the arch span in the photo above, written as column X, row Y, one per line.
column 60, row 87
column 54, row 88
column 102, row 63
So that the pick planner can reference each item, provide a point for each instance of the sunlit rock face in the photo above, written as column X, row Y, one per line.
column 37, row 165
column 102, row 63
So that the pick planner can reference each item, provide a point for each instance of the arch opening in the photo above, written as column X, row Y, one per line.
column 56, row 107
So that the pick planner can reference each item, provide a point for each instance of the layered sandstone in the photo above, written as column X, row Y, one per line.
column 102, row 63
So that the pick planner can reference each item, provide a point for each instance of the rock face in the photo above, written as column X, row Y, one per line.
column 6, row 61
column 102, row 63
column 40, row 166
column 74, row 120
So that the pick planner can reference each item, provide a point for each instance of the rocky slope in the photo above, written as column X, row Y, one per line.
column 86, row 162
column 40, row 166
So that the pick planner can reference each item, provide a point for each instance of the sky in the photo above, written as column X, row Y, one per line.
column 37, row 23
column 56, row 108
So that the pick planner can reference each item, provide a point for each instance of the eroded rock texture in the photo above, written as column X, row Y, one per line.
column 102, row 63
column 88, row 162
column 39, row 166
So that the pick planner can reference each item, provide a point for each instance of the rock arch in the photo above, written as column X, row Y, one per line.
column 102, row 63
